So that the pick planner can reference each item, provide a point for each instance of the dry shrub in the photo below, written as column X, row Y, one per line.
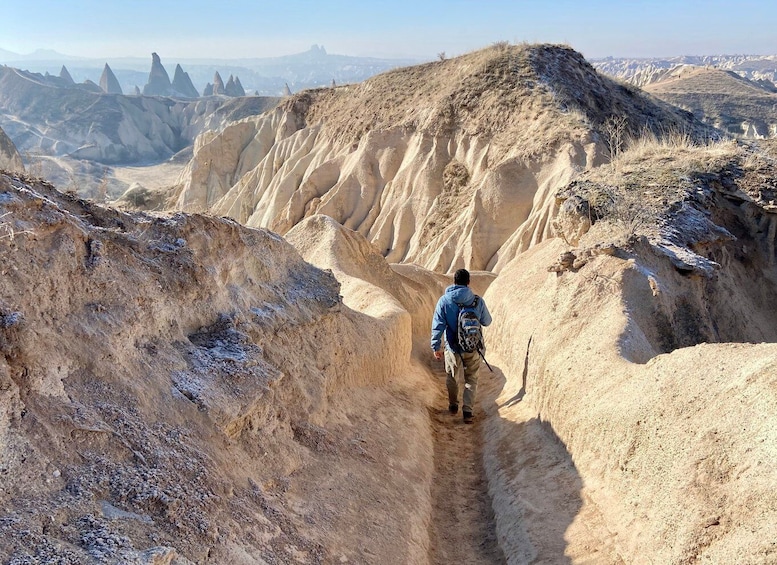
column 7, row 230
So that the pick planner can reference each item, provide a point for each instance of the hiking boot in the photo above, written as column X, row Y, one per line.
column 468, row 418
column 453, row 408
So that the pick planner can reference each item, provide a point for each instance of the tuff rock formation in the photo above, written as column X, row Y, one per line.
column 158, row 80
column 106, row 129
column 137, row 91
column 286, row 90
column 233, row 87
column 450, row 164
column 108, row 82
column 208, row 90
column 183, row 85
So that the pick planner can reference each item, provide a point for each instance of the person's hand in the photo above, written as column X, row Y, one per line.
column 438, row 354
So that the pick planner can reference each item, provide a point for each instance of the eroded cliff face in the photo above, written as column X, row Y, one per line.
column 451, row 164
column 172, row 387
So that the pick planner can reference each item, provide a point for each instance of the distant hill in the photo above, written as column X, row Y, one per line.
column 720, row 98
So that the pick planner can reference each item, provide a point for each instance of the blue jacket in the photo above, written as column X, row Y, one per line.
column 446, row 316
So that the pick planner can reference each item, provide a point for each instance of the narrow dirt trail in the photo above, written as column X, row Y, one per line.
column 462, row 527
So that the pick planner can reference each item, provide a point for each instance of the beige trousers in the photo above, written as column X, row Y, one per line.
column 455, row 365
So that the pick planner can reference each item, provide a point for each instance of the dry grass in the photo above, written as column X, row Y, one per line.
column 654, row 174
column 527, row 98
column 652, row 178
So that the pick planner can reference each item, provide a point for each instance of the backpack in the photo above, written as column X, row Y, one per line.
column 470, row 332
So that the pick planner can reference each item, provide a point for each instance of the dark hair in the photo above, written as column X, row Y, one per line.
column 461, row 277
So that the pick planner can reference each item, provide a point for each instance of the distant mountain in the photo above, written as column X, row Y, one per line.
column 8, row 57
column 265, row 76
column 647, row 70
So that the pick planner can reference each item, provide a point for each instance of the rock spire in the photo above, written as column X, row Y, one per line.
column 183, row 85
column 108, row 81
column 65, row 75
column 158, row 79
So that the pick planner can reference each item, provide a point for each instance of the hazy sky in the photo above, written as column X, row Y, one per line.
column 397, row 28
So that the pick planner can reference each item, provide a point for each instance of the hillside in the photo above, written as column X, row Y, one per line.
column 448, row 164
column 721, row 98
column 180, row 388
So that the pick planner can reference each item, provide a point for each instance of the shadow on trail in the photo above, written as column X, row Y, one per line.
column 533, row 483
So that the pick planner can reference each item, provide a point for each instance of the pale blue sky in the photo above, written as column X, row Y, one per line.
column 397, row 28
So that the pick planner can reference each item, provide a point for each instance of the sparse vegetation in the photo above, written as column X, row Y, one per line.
column 653, row 175
column 615, row 129
column 442, row 56
column 7, row 230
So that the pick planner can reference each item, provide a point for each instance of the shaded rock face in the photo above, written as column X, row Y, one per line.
column 208, row 90
column 108, row 82
column 10, row 159
column 183, row 85
column 158, row 79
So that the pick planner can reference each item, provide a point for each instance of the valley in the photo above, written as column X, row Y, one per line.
column 221, row 354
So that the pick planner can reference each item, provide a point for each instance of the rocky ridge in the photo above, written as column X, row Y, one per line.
column 724, row 99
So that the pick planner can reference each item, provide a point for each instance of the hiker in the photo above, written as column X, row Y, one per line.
column 446, row 319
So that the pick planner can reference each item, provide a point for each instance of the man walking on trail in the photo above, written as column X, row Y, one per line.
column 446, row 319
